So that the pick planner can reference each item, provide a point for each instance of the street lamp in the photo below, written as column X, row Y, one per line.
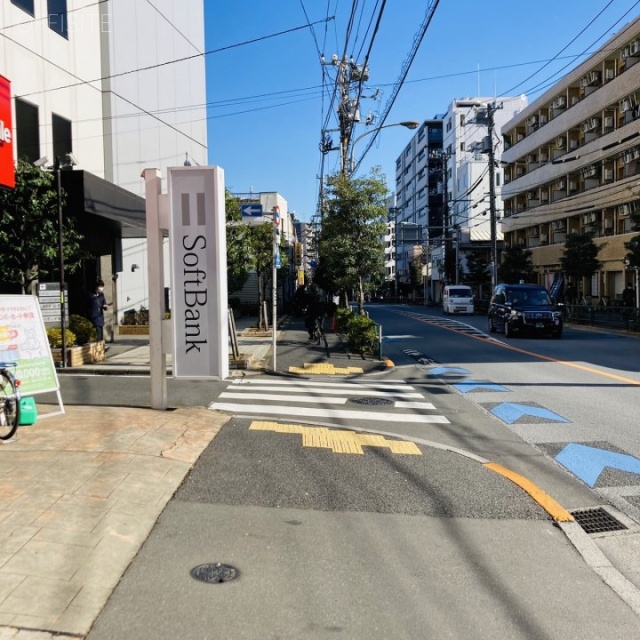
column 408, row 124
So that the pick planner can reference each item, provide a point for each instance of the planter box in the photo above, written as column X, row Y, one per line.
column 86, row 354
column 133, row 329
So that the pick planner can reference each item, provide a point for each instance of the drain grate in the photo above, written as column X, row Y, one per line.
column 371, row 401
column 597, row 520
column 214, row 573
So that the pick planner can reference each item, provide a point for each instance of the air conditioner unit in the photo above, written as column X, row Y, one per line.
column 573, row 186
column 594, row 123
column 625, row 105
column 573, row 144
column 624, row 53
column 543, row 119
column 532, row 121
column 590, row 172
column 575, row 100
column 561, row 184
column 519, row 137
column 608, row 122
column 532, row 195
column 634, row 47
column 585, row 81
column 559, row 103
column 588, row 218
column 608, row 175
column 628, row 157
column 624, row 209
column 594, row 77
column 544, row 196
column 543, row 237
column 561, row 142
column 608, row 223
column 609, row 73
column 558, row 225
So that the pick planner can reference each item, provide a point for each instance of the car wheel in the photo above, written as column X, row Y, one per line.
column 492, row 328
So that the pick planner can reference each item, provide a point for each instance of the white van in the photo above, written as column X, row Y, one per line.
column 457, row 298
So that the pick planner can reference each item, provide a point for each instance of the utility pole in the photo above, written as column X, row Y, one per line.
column 491, row 109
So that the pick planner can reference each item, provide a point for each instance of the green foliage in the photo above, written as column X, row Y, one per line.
column 350, row 247
column 477, row 267
column 580, row 256
column 82, row 328
column 238, row 254
column 360, row 331
column 516, row 265
column 632, row 259
column 29, row 228
column 54, row 335
column 131, row 316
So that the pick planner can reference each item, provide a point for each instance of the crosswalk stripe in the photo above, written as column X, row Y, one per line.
column 315, row 383
column 278, row 398
column 349, row 391
column 284, row 410
column 401, row 404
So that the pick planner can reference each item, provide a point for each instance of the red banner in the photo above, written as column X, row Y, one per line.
column 7, row 168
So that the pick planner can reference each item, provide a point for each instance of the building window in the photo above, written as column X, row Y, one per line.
column 61, row 129
column 27, row 131
column 462, row 146
column 462, row 119
column 449, row 124
column 25, row 5
column 57, row 16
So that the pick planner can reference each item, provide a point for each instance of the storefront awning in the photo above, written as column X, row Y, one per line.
column 479, row 235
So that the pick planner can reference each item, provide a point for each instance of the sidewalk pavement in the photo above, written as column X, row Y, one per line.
column 80, row 492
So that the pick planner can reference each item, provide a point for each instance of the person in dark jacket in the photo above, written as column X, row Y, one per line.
column 97, row 306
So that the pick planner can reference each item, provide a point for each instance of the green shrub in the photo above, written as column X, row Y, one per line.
column 83, row 329
column 362, row 334
column 343, row 318
column 54, row 335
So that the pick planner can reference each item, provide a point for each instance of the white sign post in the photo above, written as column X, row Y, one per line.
column 197, row 235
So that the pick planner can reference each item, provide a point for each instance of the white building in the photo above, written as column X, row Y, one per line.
column 100, row 81
column 452, row 145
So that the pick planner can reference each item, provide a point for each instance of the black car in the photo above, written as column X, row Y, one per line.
column 517, row 309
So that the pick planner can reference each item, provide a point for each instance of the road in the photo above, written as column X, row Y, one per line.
column 412, row 534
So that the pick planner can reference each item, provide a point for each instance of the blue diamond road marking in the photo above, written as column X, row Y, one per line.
column 589, row 462
column 445, row 371
column 510, row 412
column 471, row 385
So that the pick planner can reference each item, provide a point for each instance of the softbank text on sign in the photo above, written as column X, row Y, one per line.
column 199, row 277
column 7, row 168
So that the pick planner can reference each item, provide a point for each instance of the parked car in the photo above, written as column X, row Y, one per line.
column 457, row 298
column 516, row 309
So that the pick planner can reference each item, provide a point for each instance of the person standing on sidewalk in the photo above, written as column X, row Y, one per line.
column 97, row 306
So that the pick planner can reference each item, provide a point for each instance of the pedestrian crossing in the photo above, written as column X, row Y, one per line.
column 326, row 400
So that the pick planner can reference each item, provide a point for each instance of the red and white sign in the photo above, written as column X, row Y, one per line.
column 7, row 168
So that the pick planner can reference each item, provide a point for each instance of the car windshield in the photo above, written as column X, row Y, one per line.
column 459, row 293
column 532, row 298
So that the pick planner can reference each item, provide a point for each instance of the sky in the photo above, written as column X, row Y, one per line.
column 267, row 107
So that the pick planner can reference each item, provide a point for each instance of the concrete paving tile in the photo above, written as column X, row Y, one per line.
column 76, row 620
column 125, row 507
column 33, row 498
column 28, row 634
column 178, row 472
column 61, row 536
column 102, row 483
column 4, row 557
column 40, row 597
column 14, row 538
column 30, row 624
column 21, row 517
column 8, row 583
column 7, row 633
column 154, row 443
column 132, row 528
column 106, row 563
column 91, row 597
column 70, row 517
column 138, row 489
column 46, row 559
column 150, row 466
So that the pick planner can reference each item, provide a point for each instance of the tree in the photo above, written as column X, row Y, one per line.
column 632, row 259
column 580, row 256
column 238, row 254
column 29, row 239
column 351, row 248
column 516, row 265
column 477, row 267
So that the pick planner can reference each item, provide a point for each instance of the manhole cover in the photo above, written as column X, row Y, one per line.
column 214, row 573
column 371, row 400
column 597, row 520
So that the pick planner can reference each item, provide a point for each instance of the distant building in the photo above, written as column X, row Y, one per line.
column 573, row 162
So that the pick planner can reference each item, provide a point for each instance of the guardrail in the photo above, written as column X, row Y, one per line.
column 603, row 316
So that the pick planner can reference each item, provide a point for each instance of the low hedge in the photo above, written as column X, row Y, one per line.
column 361, row 333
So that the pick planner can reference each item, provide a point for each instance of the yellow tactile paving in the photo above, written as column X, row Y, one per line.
column 339, row 441
column 325, row 368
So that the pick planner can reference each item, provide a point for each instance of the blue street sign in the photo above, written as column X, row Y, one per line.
column 251, row 210
column 589, row 462
column 278, row 261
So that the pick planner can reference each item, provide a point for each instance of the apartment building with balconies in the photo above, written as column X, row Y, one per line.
column 573, row 162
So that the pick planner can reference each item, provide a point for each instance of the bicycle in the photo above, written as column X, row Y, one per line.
column 9, row 400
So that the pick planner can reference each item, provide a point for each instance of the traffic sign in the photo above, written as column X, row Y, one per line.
column 276, row 215
column 251, row 210
column 278, row 260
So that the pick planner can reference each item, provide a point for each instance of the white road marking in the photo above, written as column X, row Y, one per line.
column 278, row 398
column 320, row 388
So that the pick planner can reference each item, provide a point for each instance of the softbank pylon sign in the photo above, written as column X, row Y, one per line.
column 197, row 236
column 7, row 168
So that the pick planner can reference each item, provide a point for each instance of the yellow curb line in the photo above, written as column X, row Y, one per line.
column 557, row 512
column 388, row 362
